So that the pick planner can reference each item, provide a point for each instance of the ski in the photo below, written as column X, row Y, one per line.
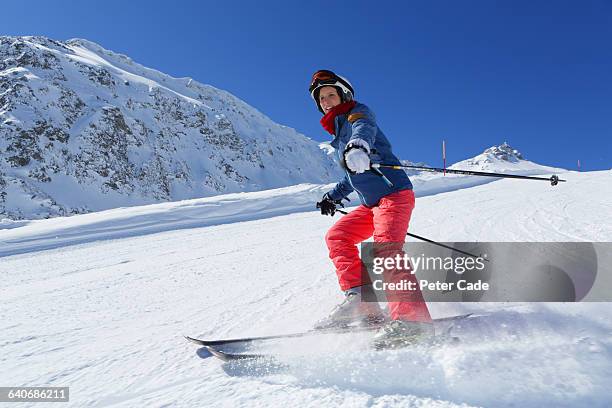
column 269, row 359
column 222, row 342
column 227, row 357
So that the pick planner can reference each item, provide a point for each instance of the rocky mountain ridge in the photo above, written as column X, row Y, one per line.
column 84, row 129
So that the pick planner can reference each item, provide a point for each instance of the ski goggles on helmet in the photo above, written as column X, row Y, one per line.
column 322, row 77
column 325, row 77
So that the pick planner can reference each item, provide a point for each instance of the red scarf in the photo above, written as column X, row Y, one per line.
column 328, row 120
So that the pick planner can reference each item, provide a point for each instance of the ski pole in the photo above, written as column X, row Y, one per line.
column 373, row 169
column 445, row 246
column 554, row 180
column 432, row 242
column 379, row 173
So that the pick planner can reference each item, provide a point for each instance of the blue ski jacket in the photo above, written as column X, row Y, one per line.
column 360, row 123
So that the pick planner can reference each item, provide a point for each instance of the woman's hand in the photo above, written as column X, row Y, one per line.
column 328, row 206
column 357, row 161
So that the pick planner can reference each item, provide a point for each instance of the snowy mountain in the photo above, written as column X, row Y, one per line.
column 111, row 327
column 85, row 129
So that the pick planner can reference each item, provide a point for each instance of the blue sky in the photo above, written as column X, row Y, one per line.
column 475, row 73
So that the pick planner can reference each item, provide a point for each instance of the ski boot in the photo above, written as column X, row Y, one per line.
column 352, row 311
column 402, row 333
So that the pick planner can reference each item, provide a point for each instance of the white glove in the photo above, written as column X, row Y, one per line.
column 357, row 160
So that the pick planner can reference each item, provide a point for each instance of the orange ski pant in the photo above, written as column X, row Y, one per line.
column 388, row 223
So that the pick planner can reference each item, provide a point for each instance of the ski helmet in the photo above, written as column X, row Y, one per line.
column 325, row 77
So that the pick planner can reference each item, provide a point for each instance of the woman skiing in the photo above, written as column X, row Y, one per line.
column 384, row 213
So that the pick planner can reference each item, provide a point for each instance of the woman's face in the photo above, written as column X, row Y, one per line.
column 328, row 98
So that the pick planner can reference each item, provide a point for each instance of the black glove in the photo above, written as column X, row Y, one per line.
column 328, row 206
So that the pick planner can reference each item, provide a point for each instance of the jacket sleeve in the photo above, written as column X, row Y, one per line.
column 341, row 190
column 363, row 121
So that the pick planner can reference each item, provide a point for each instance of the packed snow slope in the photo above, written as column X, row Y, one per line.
column 104, row 307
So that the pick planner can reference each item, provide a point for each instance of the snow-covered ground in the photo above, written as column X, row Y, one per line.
column 104, row 307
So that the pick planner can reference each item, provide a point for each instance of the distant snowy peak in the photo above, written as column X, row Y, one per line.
column 495, row 155
column 84, row 129
column 504, row 152
column 503, row 158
